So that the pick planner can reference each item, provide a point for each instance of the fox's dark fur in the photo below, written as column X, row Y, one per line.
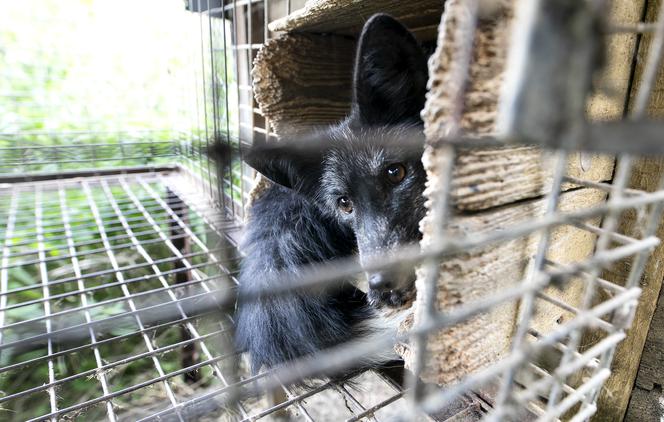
column 298, row 221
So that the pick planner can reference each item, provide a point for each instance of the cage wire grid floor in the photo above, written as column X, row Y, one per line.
column 111, row 297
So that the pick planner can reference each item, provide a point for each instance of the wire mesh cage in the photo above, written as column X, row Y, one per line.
column 120, row 252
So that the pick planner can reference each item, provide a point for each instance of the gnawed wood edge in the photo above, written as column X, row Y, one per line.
column 347, row 16
column 302, row 81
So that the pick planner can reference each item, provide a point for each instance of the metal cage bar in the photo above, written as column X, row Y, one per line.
column 125, row 290
column 45, row 293
column 84, row 300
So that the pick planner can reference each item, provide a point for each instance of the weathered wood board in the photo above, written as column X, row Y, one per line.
column 492, row 177
column 647, row 397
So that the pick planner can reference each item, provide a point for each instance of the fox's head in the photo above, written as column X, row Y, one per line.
column 367, row 170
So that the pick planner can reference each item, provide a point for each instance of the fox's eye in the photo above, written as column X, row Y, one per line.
column 345, row 204
column 396, row 172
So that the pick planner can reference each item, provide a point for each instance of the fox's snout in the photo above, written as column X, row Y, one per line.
column 387, row 279
column 381, row 232
column 381, row 282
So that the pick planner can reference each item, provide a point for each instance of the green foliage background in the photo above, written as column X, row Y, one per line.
column 97, row 65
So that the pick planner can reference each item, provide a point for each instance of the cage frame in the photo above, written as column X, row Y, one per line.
column 621, row 198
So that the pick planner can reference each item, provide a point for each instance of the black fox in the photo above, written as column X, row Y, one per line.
column 358, row 192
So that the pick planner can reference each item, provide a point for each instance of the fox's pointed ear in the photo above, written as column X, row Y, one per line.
column 295, row 165
column 390, row 74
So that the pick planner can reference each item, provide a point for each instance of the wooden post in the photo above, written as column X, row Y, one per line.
column 645, row 402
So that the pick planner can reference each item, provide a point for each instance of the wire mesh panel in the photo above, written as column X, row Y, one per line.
column 111, row 274
column 118, row 258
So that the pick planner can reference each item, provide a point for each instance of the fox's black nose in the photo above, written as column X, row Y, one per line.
column 380, row 282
